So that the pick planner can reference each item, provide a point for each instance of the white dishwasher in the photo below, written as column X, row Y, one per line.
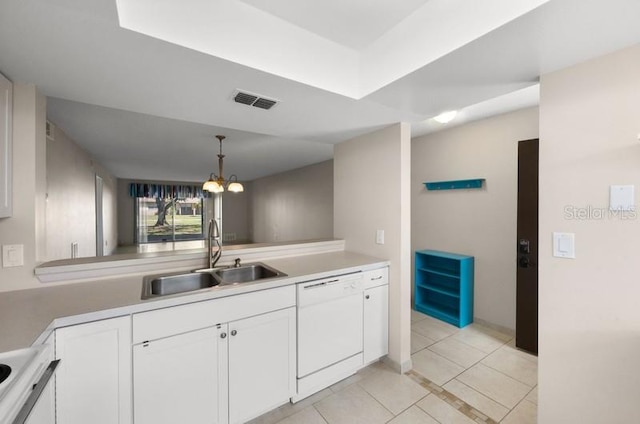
column 330, row 314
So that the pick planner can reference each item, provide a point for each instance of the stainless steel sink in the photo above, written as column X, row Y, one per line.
column 167, row 284
column 163, row 285
column 246, row 273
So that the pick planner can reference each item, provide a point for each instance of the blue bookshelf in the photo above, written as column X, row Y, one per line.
column 444, row 286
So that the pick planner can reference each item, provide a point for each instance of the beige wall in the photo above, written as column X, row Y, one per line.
column 293, row 205
column 372, row 192
column 26, row 226
column 589, row 316
column 235, row 215
column 481, row 223
column 71, row 200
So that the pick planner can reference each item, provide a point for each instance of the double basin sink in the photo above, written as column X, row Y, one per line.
column 164, row 285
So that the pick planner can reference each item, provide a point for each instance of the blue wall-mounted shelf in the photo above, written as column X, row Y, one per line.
column 455, row 185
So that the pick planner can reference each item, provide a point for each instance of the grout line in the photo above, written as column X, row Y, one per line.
column 511, row 377
column 450, row 398
column 319, row 413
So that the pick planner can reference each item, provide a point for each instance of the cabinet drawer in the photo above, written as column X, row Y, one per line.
column 376, row 277
column 180, row 319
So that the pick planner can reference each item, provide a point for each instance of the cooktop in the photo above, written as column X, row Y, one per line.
column 5, row 372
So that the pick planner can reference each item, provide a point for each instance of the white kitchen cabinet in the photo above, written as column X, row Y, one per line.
column 93, row 380
column 181, row 379
column 262, row 364
column 219, row 361
column 376, row 315
column 6, row 134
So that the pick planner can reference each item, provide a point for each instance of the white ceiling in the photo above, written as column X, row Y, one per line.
column 352, row 23
column 119, row 92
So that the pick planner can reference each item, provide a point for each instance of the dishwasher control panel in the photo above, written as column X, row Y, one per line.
column 318, row 291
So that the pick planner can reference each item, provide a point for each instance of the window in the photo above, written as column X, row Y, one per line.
column 161, row 219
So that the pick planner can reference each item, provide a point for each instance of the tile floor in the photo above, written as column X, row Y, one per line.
column 460, row 376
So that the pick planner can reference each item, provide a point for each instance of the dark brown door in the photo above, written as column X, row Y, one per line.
column 527, row 246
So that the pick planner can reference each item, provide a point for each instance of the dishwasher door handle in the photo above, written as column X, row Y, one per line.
column 322, row 284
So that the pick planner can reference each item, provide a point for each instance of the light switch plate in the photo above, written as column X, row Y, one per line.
column 622, row 198
column 12, row 255
column 379, row 236
column 564, row 245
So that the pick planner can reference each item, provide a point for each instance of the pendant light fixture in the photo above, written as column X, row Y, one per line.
column 217, row 183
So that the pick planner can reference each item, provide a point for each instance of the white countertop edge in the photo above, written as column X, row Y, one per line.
column 86, row 271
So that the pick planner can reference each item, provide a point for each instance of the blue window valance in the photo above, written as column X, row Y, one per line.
column 166, row 191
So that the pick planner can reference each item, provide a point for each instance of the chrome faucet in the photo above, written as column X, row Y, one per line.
column 214, row 235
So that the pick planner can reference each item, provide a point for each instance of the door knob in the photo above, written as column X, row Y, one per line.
column 223, row 335
column 366, row 297
column 234, row 332
column 523, row 262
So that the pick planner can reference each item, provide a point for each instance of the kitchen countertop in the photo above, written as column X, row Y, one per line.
column 29, row 316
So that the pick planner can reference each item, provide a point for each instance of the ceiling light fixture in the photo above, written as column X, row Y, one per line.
column 445, row 117
column 217, row 183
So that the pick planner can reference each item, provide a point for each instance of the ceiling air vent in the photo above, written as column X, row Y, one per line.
column 254, row 100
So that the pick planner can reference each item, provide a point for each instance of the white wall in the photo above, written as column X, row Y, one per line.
column 293, row 205
column 481, row 223
column 26, row 226
column 372, row 192
column 71, row 200
column 589, row 326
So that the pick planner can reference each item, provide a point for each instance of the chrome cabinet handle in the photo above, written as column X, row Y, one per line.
column 223, row 335
column 377, row 278
column 234, row 332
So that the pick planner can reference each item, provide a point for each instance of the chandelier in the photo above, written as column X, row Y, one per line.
column 217, row 183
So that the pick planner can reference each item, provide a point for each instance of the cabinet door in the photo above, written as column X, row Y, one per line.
column 181, row 379
column 6, row 134
column 376, row 323
column 93, row 380
column 262, row 363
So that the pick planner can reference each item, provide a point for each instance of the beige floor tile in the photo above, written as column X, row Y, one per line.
column 373, row 368
column 419, row 342
column 346, row 382
column 480, row 402
column 413, row 415
column 495, row 385
column 394, row 391
column 533, row 395
column 458, row 352
column 309, row 415
column 435, row 367
column 482, row 338
column 289, row 409
column 525, row 413
column 442, row 411
column 353, row 405
column 417, row 316
column 511, row 362
column 433, row 329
